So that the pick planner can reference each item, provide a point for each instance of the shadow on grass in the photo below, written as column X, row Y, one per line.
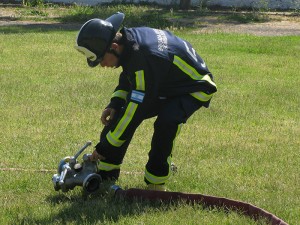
column 29, row 27
column 107, row 209
column 96, row 209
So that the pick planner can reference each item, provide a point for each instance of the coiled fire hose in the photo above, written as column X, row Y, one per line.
column 205, row 200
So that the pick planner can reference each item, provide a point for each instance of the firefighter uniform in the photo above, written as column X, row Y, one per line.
column 162, row 76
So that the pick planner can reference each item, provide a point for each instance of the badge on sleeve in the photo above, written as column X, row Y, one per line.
column 137, row 96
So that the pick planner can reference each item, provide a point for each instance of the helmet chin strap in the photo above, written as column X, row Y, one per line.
column 114, row 52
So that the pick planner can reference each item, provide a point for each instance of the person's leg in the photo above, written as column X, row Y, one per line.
column 109, row 168
column 173, row 113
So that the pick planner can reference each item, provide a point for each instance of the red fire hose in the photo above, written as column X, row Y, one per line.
column 206, row 200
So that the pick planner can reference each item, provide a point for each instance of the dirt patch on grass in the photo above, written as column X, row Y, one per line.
column 275, row 25
column 270, row 24
column 281, row 28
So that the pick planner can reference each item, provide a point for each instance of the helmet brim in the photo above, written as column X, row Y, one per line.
column 116, row 20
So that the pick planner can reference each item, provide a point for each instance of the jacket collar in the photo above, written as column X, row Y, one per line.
column 128, row 42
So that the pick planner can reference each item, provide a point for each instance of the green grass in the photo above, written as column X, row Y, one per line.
column 244, row 147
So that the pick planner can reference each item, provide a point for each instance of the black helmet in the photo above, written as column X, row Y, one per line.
column 96, row 35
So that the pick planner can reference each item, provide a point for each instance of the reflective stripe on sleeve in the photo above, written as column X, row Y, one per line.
column 191, row 71
column 120, row 94
column 209, row 80
column 113, row 137
column 140, row 80
column 201, row 96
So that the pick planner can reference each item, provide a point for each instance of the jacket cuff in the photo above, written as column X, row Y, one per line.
column 116, row 103
column 101, row 149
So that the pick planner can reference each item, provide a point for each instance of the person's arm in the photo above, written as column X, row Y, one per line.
column 119, row 96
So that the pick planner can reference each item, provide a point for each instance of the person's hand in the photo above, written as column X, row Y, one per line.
column 96, row 156
column 107, row 116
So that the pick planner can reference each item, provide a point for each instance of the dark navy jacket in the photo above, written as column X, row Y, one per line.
column 169, row 67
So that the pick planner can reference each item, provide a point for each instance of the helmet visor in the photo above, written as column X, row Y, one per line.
column 92, row 59
column 88, row 54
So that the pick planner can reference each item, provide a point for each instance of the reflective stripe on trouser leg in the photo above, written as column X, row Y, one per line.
column 109, row 171
column 108, row 166
column 114, row 136
column 158, row 179
column 154, row 179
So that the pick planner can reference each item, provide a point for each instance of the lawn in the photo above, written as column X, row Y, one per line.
column 244, row 147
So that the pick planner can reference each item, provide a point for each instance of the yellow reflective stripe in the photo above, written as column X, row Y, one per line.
column 208, row 79
column 158, row 180
column 140, row 80
column 186, row 68
column 127, row 117
column 120, row 94
column 107, row 166
column 191, row 71
column 154, row 179
column 113, row 140
column 201, row 96
column 113, row 137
